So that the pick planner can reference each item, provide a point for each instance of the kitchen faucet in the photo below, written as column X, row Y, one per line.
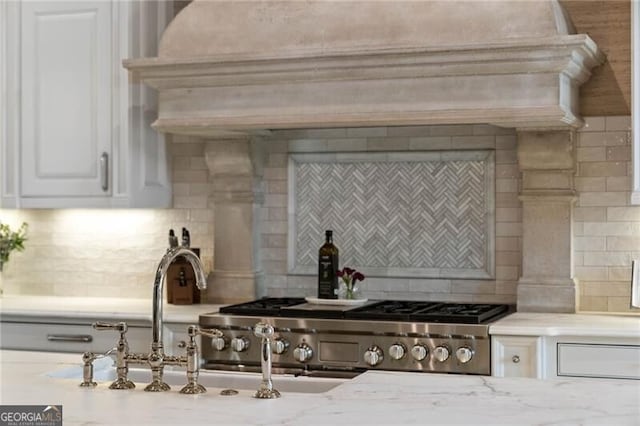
column 156, row 357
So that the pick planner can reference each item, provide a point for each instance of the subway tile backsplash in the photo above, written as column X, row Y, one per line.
column 114, row 253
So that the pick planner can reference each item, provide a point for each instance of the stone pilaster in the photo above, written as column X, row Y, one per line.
column 236, row 175
column 546, row 160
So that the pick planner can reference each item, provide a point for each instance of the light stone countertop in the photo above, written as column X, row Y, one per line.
column 548, row 324
column 375, row 397
column 91, row 309
column 113, row 309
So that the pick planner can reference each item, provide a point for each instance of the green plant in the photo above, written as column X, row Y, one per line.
column 10, row 241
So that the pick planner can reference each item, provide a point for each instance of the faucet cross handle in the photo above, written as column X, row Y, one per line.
column 193, row 358
column 120, row 327
column 265, row 332
column 122, row 352
column 207, row 332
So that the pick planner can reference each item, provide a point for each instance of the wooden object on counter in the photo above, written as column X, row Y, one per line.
column 181, row 282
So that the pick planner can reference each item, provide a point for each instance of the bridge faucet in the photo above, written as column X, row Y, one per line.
column 157, row 356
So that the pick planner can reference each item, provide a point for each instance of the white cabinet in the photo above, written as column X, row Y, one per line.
column 75, row 131
column 516, row 356
column 66, row 99
column 550, row 357
column 175, row 338
column 75, row 338
column 63, row 335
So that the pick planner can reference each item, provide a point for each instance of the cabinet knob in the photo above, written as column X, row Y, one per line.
column 515, row 359
column 182, row 344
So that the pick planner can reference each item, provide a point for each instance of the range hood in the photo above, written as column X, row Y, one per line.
column 230, row 71
column 237, row 67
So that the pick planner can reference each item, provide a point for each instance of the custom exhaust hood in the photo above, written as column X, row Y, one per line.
column 237, row 66
column 230, row 70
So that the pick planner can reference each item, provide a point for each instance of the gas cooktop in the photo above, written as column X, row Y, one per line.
column 401, row 335
column 386, row 310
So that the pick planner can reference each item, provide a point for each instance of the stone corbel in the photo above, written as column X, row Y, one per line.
column 547, row 162
column 235, row 167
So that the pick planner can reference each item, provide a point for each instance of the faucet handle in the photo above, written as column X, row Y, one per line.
column 120, row 327
column 194, row 331
column 122, row 349
column 193, row 359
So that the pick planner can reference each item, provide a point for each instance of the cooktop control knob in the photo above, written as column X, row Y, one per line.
column 441, row 353
column 397, row 351
column 239, row 344
column 419, row 352
column 219, row 343
column 373, row 356
column 280, row 346
column 464, row 354
column 303, row 352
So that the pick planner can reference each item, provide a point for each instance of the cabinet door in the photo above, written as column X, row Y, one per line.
column 66, row 98
column 516, row 356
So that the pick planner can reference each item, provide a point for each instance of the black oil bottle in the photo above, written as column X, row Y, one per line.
column 328, row 268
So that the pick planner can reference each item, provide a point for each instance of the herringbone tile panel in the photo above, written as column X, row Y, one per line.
column 393, row 214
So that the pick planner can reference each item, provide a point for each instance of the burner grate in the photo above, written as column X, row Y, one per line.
column 397, row 310
column 266, row 306
column 460, row 313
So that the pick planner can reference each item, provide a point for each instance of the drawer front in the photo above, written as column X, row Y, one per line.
column 68, row 338
column 597, row 360
column 176, row 339
column 515, row 356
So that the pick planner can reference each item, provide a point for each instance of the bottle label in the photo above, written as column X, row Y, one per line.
column 327, row 277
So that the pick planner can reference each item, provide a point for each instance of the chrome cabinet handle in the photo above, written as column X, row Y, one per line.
column 104, row 171
column 76, row 338
column 515, row 359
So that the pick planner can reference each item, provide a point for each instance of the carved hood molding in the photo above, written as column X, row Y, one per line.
column 230, row 68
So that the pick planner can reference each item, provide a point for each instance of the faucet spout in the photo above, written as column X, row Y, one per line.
column 156, row 357
column 158, row 287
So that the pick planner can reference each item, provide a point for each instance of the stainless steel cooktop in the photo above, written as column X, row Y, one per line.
column 337, row 340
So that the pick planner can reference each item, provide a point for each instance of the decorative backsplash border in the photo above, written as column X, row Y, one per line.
column 395, row 214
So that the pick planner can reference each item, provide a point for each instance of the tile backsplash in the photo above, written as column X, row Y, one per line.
column 606, row 226
column 111, row 252
column 115, row 252
column 418, row 141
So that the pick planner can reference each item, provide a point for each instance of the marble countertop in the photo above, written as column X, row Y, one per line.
column 595, row 325
column 96, row 308
column 375, row 397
